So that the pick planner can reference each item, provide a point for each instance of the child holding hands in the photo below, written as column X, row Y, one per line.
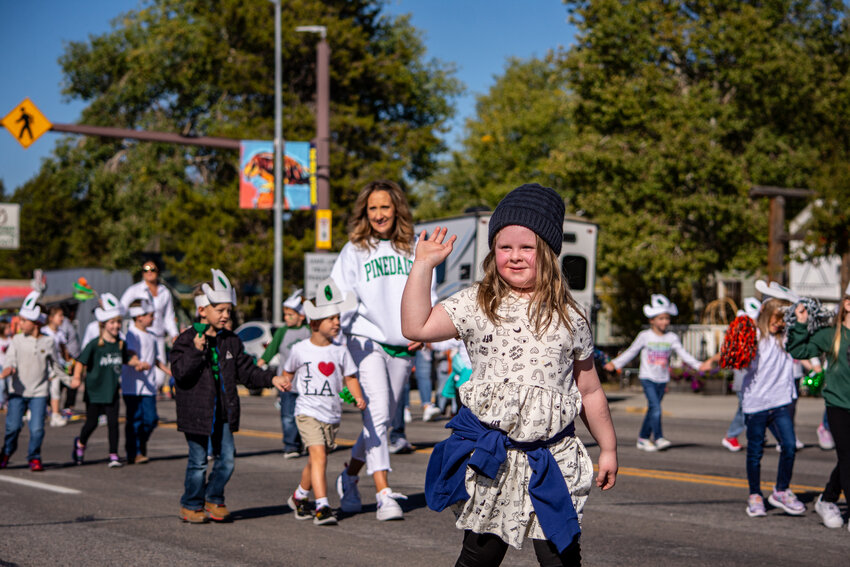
column 532, row 374
column 319, row 368
column 206, row 366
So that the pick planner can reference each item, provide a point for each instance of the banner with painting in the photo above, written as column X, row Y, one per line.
column 256, row 175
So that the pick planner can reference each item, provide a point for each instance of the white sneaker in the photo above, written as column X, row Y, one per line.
column 829, row 513
column 400, row 446
column 800, row 445
column 825, row 438
column 430, row 412
column 388, row 508
column 407, row 417
column 646, row 445
column 661, row 443
column 56, row 420
column 349, row 494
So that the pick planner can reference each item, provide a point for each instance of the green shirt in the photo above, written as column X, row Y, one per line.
column 103, row 369
column 801, row 345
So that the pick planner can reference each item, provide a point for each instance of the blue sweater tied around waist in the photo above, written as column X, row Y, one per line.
column 484, row 449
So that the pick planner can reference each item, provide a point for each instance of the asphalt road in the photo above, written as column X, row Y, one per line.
column 684, row 506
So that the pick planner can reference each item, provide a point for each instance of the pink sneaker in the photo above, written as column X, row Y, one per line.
column 787, row 501
column 825, row 438
column 755, row 506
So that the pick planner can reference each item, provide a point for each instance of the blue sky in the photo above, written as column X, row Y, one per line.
column 476, row 35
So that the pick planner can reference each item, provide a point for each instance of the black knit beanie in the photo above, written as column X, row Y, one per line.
column 537, row 208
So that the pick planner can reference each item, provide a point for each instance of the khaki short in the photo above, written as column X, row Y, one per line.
column 315, row 432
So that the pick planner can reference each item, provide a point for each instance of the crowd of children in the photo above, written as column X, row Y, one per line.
column 520, row 369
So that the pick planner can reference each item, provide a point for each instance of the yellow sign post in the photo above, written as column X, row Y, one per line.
column 323, row 229
column 26, row 123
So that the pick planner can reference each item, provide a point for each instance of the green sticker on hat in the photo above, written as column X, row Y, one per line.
column 329, row 293
column 223, row 283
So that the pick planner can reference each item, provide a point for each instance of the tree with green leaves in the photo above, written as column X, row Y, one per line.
column 206, row 67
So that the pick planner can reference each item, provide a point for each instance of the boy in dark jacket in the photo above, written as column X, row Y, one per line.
column 207, row 366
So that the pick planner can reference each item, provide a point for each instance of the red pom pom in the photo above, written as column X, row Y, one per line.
column 739, row 346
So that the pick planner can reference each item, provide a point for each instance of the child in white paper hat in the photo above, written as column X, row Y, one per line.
column 655, row 346
column 318, row 368
column 207, row 365
column 28, row 361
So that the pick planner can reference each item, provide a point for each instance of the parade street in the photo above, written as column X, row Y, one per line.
column 684, row 506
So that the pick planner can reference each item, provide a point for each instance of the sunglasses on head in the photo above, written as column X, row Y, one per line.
column 149, row 269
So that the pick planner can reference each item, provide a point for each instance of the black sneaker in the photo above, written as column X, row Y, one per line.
column 301, row 507
column 325, row 516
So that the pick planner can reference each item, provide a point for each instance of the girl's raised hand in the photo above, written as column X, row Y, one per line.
column 435, row 248
column 801, row 313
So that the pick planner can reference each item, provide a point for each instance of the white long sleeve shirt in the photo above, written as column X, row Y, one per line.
column 377, row 277
column 769, row 382
column 655, row 351
column 164, row 319
column 32, row 358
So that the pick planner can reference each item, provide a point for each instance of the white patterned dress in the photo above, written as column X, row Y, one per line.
column 524, row 386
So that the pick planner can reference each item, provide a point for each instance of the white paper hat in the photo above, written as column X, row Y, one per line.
column 847, row 291
column 329, row 301
column 752, row 306
column 110, row 308
column 659, row 304
column 221, row 290
column 30, row 309
column 201, row 301
column 145, row 308
column 777, row 291
column 294, row 301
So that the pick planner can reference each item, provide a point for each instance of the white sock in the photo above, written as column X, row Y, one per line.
column 384, row 492
column 322, row 502
column 301, row 494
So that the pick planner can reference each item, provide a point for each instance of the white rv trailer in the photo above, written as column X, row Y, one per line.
column 464, row 266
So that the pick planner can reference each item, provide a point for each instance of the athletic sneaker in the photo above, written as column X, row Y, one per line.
column 661, row 443
column 301, row 507
column 115, row 462
column 291, row 454
column 431, row 412
column 798, row 444
column 825, row 438
column 646, row 445
column 407, row 417
column 400, row 446
column 755, row 506
column 325, row 516
column 732, row 444
column 349, row 495
column 57, row 420
column 35, row 465
column 4, row 460
column 388, row 508
column 787, row 501
column 829, row 513
column 77, row 452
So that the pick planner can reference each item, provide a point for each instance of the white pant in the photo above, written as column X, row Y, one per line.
column 382, row 378
column 59, row 377
column 160, row 377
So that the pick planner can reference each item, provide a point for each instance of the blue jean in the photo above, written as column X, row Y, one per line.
column 783, row 424
column 654, row 393
column 141, row 421
column 423, row 374
column 291, row 437
column 18, row 406
column 738, row 424
column 197, row 488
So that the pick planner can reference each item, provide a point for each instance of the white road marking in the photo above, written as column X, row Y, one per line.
column 39, row 485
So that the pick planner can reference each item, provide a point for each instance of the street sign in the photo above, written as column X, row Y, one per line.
column 317, row 266
column 10, row 226
column 323, row 229
column 26, row 123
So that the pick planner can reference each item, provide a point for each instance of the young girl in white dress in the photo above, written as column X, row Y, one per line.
column 513, row 468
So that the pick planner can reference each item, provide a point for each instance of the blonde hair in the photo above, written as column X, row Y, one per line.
column 550, row 297
column 771, row 308
column 839, row 323
column 100, row 342
column 360, row 232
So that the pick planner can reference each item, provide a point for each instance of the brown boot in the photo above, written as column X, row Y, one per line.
column 192, row 516
column 217, row 512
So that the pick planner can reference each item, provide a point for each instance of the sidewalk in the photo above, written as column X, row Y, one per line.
column 681, row 405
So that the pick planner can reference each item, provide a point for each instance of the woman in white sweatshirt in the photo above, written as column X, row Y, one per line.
column 374, row 265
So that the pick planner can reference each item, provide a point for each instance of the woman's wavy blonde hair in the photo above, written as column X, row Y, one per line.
column 551, row 299
column 360, row 232
column 839, row 324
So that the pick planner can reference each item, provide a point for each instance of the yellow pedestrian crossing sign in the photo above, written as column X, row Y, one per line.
column 26, row 123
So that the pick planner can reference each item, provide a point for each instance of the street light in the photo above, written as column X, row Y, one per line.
column 322, row 129
column 277, row 209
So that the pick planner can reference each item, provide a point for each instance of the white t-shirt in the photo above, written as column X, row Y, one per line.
column 59, row 339
column 769, row 382
column 655, row 351
column 164, row 320
column 377, row 277
column 134, row 382
column 319, row 372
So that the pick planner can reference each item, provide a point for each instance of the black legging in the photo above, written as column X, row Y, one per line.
column 839, row 426
column 486, row 550
column 93, row 411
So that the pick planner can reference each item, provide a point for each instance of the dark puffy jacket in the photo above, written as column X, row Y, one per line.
column 196, row 387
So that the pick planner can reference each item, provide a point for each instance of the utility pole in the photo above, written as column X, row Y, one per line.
column 277, row 209
column 776, row 235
